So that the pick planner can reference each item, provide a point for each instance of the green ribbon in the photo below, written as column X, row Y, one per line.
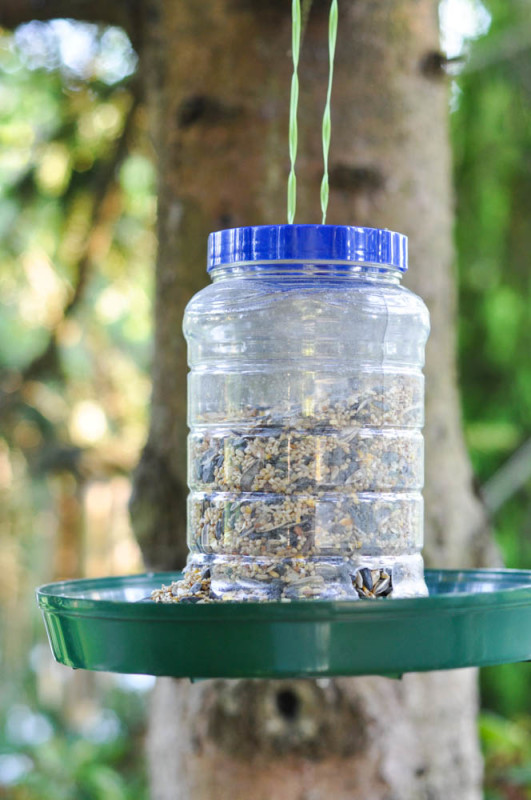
column 296, row 29
column 327, row 120
column 294, row 101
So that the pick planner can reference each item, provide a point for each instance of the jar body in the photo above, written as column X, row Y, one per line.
column 306, row 403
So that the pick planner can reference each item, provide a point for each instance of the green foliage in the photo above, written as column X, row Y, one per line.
column 507, row 748
column 60, row 133
column 491, row 129
column 492, row 142
column 42, row 758
column 77, row 209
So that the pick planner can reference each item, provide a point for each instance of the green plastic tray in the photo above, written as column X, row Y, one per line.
column 471, row 618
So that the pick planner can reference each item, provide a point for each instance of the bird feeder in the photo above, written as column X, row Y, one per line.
column 305, row 473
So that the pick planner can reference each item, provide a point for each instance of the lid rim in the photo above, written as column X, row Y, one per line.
column 324, row 243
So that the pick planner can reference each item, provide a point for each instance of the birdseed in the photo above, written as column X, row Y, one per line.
column 297, row 502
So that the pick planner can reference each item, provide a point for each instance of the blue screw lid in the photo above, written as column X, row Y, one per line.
column 328, row 243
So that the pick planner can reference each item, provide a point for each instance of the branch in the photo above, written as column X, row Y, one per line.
column 501, row 486
column 109, row 12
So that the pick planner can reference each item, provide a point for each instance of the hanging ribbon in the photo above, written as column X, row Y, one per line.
column 327, row 120
column 294, row 100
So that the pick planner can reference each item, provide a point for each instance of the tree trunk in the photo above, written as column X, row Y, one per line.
column 216, row 75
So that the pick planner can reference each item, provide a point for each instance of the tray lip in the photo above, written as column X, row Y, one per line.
column 52, row 600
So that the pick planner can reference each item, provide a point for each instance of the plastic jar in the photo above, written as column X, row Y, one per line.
column 306, row 403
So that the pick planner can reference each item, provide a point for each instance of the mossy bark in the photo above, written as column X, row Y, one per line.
column 216, row 75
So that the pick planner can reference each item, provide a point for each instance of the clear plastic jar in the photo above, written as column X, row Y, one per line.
column 306, row 403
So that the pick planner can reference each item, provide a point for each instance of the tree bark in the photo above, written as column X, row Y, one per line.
column 217, row 76
column 376, row 738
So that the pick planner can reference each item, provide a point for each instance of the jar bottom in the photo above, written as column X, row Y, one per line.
column 266, row 579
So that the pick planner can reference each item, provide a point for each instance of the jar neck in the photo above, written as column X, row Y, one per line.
column 303, row 270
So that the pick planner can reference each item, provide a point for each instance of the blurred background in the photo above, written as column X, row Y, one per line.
column 77, row 251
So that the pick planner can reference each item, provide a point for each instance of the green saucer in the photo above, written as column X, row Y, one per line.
column 471, row 618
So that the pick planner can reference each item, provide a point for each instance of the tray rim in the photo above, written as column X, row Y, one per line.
column 52, row 599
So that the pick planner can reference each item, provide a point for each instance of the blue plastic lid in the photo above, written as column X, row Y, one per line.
column 324, row 243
